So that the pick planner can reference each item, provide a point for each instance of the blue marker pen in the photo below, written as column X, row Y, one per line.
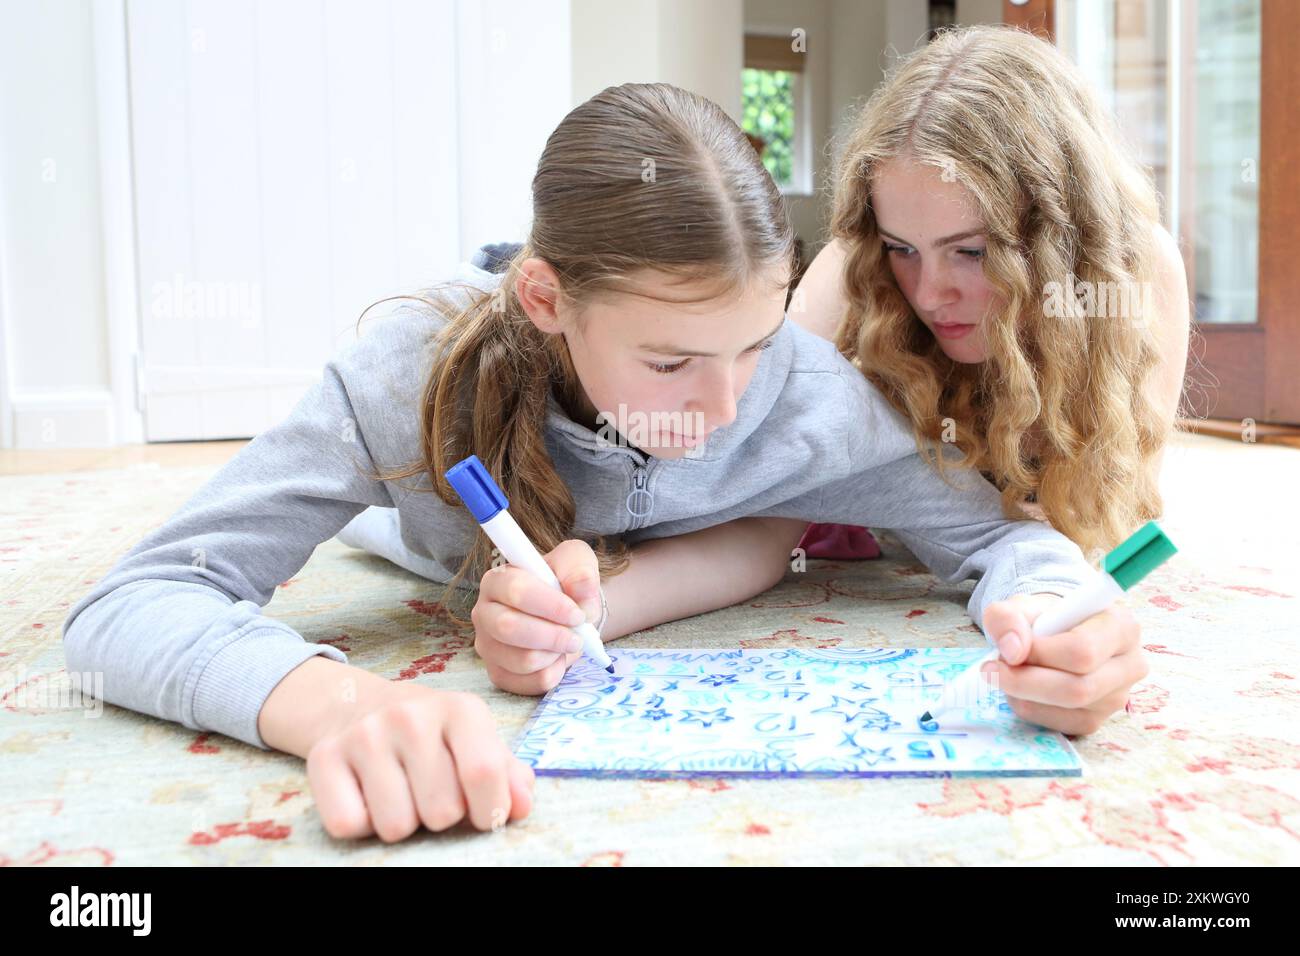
column 488, row 505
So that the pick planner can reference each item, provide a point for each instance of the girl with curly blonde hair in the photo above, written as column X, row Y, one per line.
column 998, row 269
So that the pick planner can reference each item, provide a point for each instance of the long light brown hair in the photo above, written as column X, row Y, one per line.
column 640, row 176
column 1016, row 124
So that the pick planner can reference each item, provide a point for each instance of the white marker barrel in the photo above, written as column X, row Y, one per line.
column 515, row 547
column 1079, row 605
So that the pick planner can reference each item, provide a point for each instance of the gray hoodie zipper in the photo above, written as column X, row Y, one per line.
column 640, row 501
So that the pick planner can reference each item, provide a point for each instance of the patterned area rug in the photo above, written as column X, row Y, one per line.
column 1206, row 770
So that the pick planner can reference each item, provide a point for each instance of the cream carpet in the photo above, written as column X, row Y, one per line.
column 1205, row 771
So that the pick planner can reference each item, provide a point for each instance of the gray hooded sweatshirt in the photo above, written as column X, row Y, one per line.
column 176, row 629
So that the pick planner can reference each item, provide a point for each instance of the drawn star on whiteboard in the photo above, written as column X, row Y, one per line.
column 859, row 710
column 706, row 717
column 717, row 680
column 872, row 757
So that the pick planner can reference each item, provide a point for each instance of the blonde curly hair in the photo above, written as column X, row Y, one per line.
column 1059, row 196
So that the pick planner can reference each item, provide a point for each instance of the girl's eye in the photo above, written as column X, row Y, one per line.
column 668, row 369
column 898, row 250
column 972, row 253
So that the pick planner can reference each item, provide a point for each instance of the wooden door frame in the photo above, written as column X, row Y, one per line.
column 1248, row 371
column 1279, row 212
column 1037, row 16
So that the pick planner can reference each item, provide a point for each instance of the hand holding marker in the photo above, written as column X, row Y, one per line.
column 488, row 505
column 1146, row 550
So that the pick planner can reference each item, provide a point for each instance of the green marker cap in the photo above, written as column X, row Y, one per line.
column 1142, row 553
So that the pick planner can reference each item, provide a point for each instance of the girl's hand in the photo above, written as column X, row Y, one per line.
column 1073, row 681
column 522, row 624
column 420, row 757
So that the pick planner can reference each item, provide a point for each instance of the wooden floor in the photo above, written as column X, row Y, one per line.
column 40, row 461
column 1264, row 434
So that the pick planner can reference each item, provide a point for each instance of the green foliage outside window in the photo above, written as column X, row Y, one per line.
column 768, row 101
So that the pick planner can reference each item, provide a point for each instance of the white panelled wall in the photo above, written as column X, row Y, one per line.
column 295, row 162
column 199, row 198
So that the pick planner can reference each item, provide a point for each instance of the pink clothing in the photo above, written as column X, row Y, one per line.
column 841, row 541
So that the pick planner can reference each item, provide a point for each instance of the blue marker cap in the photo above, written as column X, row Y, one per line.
column 477, row 489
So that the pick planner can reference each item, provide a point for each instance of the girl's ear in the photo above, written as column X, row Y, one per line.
column 537, row 288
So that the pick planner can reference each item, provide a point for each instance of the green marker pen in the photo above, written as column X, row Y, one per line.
column 1142, row 553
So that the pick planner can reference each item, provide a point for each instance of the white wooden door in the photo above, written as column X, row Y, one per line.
column 296, row 160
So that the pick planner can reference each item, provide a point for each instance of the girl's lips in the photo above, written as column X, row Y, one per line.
column 953, row 330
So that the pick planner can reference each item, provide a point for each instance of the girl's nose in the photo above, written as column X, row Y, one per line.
column 932, row 288
column 718, row 404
